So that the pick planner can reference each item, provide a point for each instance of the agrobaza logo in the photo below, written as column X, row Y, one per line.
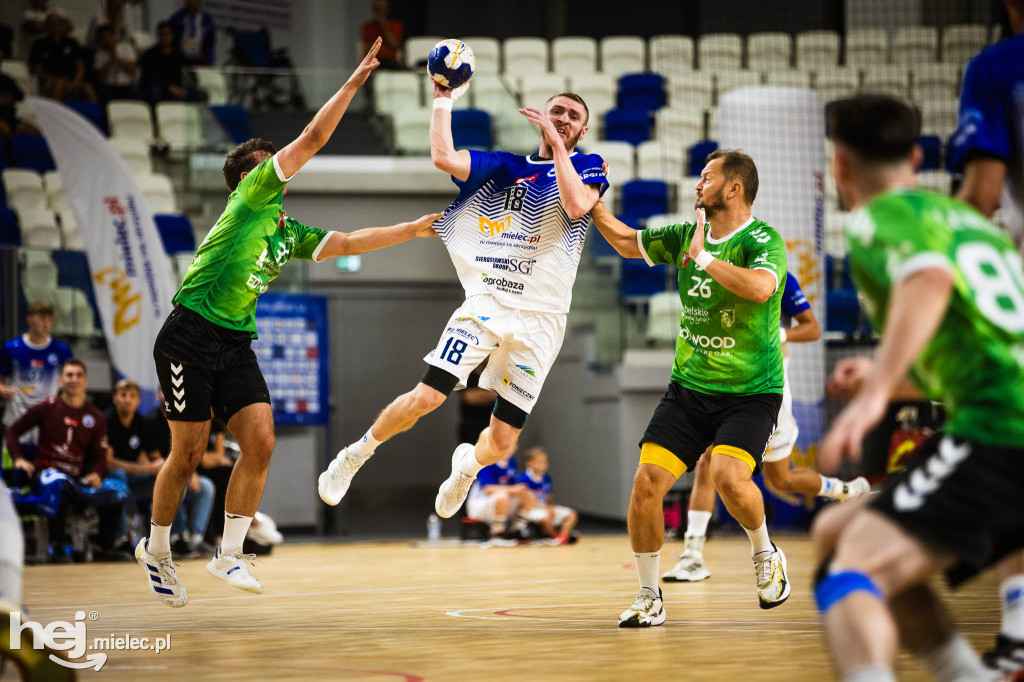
column 503, row 284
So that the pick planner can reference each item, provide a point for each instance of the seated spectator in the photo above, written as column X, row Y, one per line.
column 56, row 60
column 10, row 95
column 196, row 33
column 33, row 22
column 495, row 496
column 115, row 67
column 165, row 72
column 70, row 458
column 390, row 32
column 555, row 520
column 113, row 14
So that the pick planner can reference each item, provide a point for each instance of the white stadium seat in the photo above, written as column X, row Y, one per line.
column 960, row 42
column 867, row 46
column 887, row 79
column 525, row 55
column 619, row 155
column 835, row 83
column 573, row 54
column 487, row 51
column 935, row 82
column 19, row 72
column 680, row 126
column 53, row 187
column 731, row 80
column 659, row 160
column 792, row 78
column 69, row 230
column 212, row 81
column 515, row 134
column 936, row 180
column 690, row 89
column 769, row 50
column 24, row 189
column 663, row 312
column 135, row 153
column 939, row 117
column 599, row 91
column 817, row 48
column 130, row 118
column 670, row 54
column 399, row 89
column 418, row 49
column 179, row 124
column 39, row 229
column 622, row 54
column 720, row 51
column 492, row 93
column 915, row 45
column 158, row 193
column 536, row 89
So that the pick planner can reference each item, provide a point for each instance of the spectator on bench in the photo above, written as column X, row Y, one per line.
column 57, row 61
column 555, row 520
column 495, row 496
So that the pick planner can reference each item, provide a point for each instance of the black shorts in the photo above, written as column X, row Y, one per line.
column 203, row 366
column 686, row 422
column 960, row 498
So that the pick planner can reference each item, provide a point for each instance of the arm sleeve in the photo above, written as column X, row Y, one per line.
column 983, row 122
column 262, row 184
column 766, row 250
column 32, row 418
column 592, row 173
column 664, row 245
column 308, row 240
column 482, row 166
column 793, row 300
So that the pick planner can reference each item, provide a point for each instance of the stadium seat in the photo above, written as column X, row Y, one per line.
column 24, row 189
column 640, row 280
column 234, row 120
column 129, row 118
column 412, row 130
column 525, row 55
column 394, row 89
column 31, row 151
column 915, row 45
column 817, row 48
column 939, row 117
column 690, row 89
column 769, row 51
column 619, row 155
column 865, row 46
column 91, row 111
column 417, row 50
column 793, row 78
column 644, row 91
column 492, row 93
column 158, row 193
column 178, row 124
column 931, row 146
column 39, row 272
column 176, row 233
column 664, row 310
column 935, row 82
column 712, row 123
column 471, row 129
column 731, row 80
column 670, row 54
column 720, row 51
column 644, row 198
column 536, row 89
column 842, row 311
column 39, row 229
column 487, row 51
column 886, row 79
column 573, row 54
column 622, row 54
column 659, row 160
column 70, row 234
column 627, row 125
column 936, row 180
column 833, row 83
column 599, row 91
column 10, row 235
column 516, row 134
column 135, row 154
column 212, row 81
column 19, row 72
column 679, row 127
column 698, row 153
column 53, row 188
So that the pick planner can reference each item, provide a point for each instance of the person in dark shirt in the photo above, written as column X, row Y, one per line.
column 390, row 31
column 56, row 60
column 165, row 74
column 196, row 32
column 10, row 95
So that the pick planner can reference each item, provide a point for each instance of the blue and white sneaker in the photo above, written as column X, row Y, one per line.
column 160, row 576
column 234, row 570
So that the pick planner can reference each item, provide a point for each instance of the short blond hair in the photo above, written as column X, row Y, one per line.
column 126, row 385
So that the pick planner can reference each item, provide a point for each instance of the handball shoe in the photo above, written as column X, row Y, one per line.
column 772, row 583
column 234, row 570
column 333, row 483
column 160, row 576
column 852, row 489
column 646, row 610
column 455, row 488
column 690, row 567
column 1007, row 659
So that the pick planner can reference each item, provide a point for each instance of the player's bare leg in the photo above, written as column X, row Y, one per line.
column 646, row 536
column 691, row 566
column 782, row 479
column 496, row 442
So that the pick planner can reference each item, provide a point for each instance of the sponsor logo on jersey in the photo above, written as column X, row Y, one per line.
column 517, row 389
column 527, row 370
column 281, row 218
column 502, row 284
column 36, row 363
column 703, row 341
column 762, row 260
column 491, row 228
column 728, row 317
column 696, row 314
column 523, row 266
column 474, row 322
column 457, row 331
column 685, row 260
column 256, row 284
column 592, row 173
column 88, row 421
column 528, row 178
column 134, row 442
column 68, row 421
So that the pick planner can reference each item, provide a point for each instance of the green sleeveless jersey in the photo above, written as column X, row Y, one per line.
column 974, row 363
column 726, row 344
column 244, row 251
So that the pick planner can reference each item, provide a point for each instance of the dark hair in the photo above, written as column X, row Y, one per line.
column 876, row 128
column 74, row 362
column 533, row 453
column 575, row 98
column 103, row 28
column 244, row 158
column 165, row 24
column 39, row 308
column 738, row 166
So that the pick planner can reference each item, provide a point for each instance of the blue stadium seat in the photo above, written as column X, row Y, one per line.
column 698, row 153
column 645, row 91
column 471, row 129
column 10, row 234
column 599, row 248
column 91, row 111
column 176, row 233
column 234, row 120
column 627, row 125
column 641, row 280
column 931, row 145
column 842, row 311
column 31, row 151
column 644, row 198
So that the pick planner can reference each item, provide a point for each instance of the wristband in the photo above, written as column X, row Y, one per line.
column 704, row 259
column 445, row 103
column 782, row 334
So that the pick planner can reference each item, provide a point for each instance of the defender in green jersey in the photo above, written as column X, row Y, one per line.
column 727, row 381
column 203, row 356
column 947, row 290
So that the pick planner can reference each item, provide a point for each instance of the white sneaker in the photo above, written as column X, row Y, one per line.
column 333, row 483
column 160, row 576
column 691, row 567
column 266, row 533
column 772, row 583
column 646, row 610
column 455, row 488
column 234, row 570
column 855, row 488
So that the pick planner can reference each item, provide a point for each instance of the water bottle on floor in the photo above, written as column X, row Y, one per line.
column 433, row 528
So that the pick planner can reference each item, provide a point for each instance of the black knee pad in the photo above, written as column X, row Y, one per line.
column 510, row 414
column 440, row 380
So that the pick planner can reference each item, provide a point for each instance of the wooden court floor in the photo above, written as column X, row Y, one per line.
column 391, row 611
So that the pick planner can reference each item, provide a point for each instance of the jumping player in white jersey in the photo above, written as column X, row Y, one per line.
column 515, row 234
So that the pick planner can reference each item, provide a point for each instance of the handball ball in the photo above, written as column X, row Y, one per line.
column 451, row 63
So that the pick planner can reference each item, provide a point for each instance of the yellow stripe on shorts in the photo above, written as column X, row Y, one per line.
column 735, row 453
column 652, row 453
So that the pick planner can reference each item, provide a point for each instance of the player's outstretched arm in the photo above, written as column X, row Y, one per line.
column 982, row 186
column 621, row 236
column 319, row 130
column 456, row 162
column 916, row 308
column 806, row 328
column 753, row 285
column 373, row 238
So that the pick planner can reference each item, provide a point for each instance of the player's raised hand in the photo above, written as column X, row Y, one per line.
column 848, row 376
column 368, row 64
column 424, row 227
column 845, row 437
column 547, row 128
column 441, row 92
column 697, row 241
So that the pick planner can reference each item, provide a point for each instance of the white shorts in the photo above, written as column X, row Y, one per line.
column 780, row 446
column 558, row 514
column 480, row 506
column 522, row 345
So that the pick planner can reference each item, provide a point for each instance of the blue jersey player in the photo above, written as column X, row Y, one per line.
column 515, row 234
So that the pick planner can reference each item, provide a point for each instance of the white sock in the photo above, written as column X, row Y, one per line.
column 697, row 523
column 235, row 528
column 759, row 540
column 870, row 673
column 12, row 551
column 364, row 447
column 954, row 660
column 830, row 487
column 470, row 465
column 159, row 539
column 1011, row 594
column 647, row 569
